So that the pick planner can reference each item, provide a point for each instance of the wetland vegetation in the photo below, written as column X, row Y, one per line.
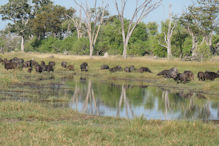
column 63, row 106
column 142, row 83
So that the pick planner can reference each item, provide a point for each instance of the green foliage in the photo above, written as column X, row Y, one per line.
column 216, row 44
column 48, row 19
column 157, row 49
column 31, row 45
column 204, row 51
column 138, row 48
column 187, row 45
column 50, row 44
column 138, row 42
column 152, row 28
column 110, row 39
column 81, row 47
column 18, row 13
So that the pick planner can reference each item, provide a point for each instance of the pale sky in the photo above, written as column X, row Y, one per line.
column 158, row 15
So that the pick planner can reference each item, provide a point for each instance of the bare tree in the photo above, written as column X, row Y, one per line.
column 77, row 21
column 75, row 96
column 143, row 8
column 123, row 98
column 168, row 36
column 93, row 19
column 165, row 96
column 90, row 97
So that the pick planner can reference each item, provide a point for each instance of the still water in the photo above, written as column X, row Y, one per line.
column 104, row 98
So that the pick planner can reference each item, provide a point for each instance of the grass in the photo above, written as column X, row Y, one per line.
column 36, row 124
column 33, row 124
column 156, row 65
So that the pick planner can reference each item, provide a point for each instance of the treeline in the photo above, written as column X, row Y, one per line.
column 41, row 26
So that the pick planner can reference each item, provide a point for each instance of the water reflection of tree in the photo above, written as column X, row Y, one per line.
column 124, row 101
column 187, row 104
column 218, row 111
column 90, row 98
column 76, row 95
column 165, row 97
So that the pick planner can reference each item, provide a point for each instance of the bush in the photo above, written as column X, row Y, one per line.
column 81, row 47
column 138, row 48
column 50, row 44
column 187, row 45
column 203, row 51
column 32, row 45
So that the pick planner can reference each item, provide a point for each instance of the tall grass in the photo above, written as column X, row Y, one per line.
column 156, row 65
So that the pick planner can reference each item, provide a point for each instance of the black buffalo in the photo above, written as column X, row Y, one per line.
column 171, row 73
column 84, row 66
column 104, row 67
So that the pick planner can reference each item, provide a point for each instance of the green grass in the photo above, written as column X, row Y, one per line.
column 33, row 124
column 156, row 65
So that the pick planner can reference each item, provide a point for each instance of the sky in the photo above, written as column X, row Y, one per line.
column 158, row 15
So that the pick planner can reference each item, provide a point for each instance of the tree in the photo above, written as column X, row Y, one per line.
column 77, row 21
column 109, row 39
column 93, row 19
column 152, row 28
column 49, row 19
column 19, row 13
column 143, row 8
column 201, row 20
column 168, row 35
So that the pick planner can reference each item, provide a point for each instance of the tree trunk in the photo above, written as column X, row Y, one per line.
column 22, row 44
column 194, row 46
column 169, row 52
column 169, row 33
column 91, row 49
column 125, row 47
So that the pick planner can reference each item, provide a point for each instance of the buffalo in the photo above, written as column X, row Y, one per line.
column 182, row 77
column 144, row 69
column 116, row 68
column 84, row 66
column 71, row 67
column 171, row 73
column 52, row 63
column 10, row 65
column 201, row 76
column 38, row 69
column 49, row 68
column 129, row 69
column 189, row 75
column 104, row 67
column 29, row 70
column 211, row 75
column 64, row 64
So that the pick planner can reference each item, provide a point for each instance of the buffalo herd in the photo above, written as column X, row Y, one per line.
column 186, row 76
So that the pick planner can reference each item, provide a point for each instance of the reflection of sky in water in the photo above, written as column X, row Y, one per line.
column 137, row 111
column 153, row 114
column 151, row 102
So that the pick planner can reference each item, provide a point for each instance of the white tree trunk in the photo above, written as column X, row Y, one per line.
column 169, row 50
column 22, row 44
column 125, row 47
column 194, row 46
column 169, row 34
column 92, row 21
column 91, row 49
column 142, row 9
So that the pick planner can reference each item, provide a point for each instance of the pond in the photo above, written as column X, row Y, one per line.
column 104, row 98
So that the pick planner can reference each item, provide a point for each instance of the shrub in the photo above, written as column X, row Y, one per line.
column 81, row 47
column 203, row 51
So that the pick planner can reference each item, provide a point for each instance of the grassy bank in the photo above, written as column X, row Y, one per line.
column 33, row 124
column 156, row 65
